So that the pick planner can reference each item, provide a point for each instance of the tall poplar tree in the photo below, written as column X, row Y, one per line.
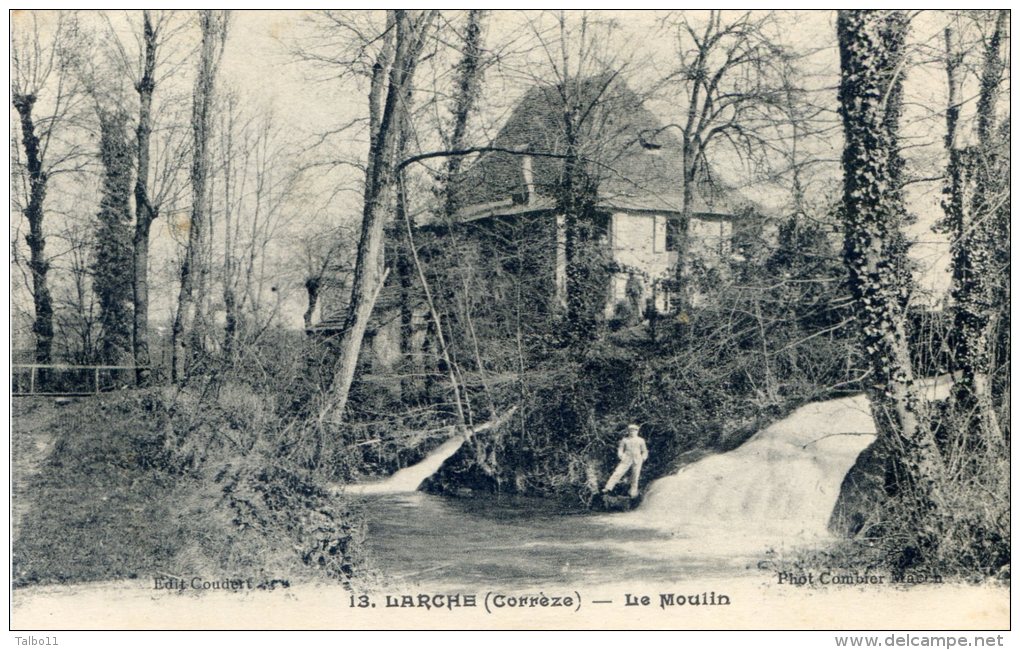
column 188, row 322
column 111, row 271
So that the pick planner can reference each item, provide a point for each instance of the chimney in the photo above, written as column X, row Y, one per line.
column 529, row 180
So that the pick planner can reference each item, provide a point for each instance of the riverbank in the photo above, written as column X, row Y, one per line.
column 30, row 446
column 165, row 482
column 90, row 502
column 445, row 563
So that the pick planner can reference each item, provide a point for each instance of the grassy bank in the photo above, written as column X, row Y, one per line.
column 167, row 483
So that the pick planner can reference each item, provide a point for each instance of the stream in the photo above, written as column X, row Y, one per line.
column 516, row 542
column 718, row 517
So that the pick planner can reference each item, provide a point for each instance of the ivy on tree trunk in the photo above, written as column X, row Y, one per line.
column 42, row 326
column 872, row 55
column 975, row 195
column 111, row 283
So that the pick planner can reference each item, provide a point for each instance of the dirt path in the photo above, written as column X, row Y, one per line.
column 32, row 437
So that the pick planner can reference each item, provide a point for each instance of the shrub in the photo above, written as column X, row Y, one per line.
column 966, row 534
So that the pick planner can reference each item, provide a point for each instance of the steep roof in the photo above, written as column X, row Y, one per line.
column 637, row 163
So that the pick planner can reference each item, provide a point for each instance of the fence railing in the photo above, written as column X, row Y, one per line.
column 65, row 380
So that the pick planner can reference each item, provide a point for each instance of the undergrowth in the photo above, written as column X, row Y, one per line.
column 182, row 482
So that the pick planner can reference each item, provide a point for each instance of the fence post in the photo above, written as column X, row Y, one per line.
column 97, row 380
column 31, row 382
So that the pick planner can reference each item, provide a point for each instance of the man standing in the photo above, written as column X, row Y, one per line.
column 632, row 453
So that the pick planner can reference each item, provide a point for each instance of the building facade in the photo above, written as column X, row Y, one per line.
column 507, row 210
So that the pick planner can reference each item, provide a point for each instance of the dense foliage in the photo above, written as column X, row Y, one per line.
column 768, row 332
column 111, row 282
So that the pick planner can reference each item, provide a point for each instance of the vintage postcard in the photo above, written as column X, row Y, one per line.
column 511, row 319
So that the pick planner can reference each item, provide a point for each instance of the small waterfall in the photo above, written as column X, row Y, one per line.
column 783, row 482
column 409, row 478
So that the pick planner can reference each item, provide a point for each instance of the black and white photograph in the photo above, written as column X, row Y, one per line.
column 511, row 319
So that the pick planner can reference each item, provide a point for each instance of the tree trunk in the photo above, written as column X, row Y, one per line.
column 451, row 368
column 468, row 84
column 411, row 385
column 42, row 326
column 991, row 77
column 681, row 302
column 312, row 286
column 144, row 210
column 230, row 323
column 409, row 33
column 113, row 260
column 469, row 75
column 970, row 205
column 229, row 267
column 875, row 250
column 194, row 270
column 577, row 197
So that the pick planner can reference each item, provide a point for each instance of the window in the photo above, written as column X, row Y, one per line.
column 673, row 234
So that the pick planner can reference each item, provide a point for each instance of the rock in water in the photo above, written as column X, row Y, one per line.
column 617, row 504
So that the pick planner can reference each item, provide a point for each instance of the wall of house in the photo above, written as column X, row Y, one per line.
column 638, row 243
column 334, row 295
column 710, row 240
column 531, row 248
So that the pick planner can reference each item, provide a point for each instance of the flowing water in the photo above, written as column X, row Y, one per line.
column 409, row 478
column 782, row 482
column 719, row 516
column 520, row 543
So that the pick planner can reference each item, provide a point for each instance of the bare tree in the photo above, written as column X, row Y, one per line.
column 256, row 178
column 76, row 316
column 189, row 319
column 392, row 79
column 38, row 68
column 469, row 71
column 804, row 126
column 730, row 80
column 582, row 86
column 236, row 150
column 585, row 93
column 323, row 252
column 145, row 212
column 148, row 199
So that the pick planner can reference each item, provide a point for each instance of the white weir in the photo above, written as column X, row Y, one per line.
column 409, row 478
column 782, row 483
